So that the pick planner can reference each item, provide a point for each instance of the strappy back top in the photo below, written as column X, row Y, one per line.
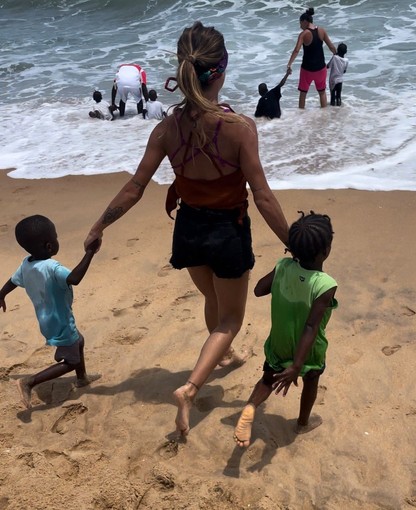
column 227, row 191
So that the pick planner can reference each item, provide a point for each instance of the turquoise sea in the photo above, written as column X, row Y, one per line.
column 54, row 53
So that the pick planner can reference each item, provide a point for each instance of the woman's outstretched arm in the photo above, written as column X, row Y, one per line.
column 265, row 200
column 133, row 190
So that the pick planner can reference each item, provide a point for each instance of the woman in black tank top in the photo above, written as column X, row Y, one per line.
column 313, row 63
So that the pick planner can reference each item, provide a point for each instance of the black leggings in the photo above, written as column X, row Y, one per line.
column 336, row 95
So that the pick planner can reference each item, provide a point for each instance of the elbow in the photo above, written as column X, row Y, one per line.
column 260, row 292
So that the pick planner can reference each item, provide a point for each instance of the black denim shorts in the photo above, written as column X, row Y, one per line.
column 219, row 239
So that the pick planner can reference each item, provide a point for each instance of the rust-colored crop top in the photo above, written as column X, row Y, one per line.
column 228, row 191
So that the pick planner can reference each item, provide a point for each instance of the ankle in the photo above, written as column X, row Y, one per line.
column 191, row 389
column 29, row 381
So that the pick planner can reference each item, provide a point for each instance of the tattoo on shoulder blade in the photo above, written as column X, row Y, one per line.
column 111, row 215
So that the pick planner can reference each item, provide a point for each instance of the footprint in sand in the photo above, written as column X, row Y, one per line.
column 18, row 190
column 235, row 392
column 186, row 315
column 6, row 371
column 353, row 356
column 141, row 304
column 6, row 441
column 162, row 481
column 132, row 241
column 188, row 295
column 388, row 350
column 137, row 305
column 4, row 228
column 29, row 459
column 320, row 396
column 63, row 466
column 165, row 270
column 126, row 338
column 411, row 501
column 70, row 415
column 118, row 311
column 168, row 449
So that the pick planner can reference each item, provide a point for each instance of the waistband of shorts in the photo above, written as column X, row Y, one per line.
column 213, row 214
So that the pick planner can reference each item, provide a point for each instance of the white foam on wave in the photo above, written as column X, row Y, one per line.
column 332, row 148
column 369, row 141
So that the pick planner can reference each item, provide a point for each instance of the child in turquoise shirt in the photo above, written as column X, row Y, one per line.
column 49, row 286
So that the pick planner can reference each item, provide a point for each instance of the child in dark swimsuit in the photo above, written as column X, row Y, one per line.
column 269, row 103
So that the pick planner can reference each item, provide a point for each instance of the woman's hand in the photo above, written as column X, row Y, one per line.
column 91, row 238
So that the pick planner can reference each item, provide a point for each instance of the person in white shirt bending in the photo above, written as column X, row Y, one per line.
column 130, row 80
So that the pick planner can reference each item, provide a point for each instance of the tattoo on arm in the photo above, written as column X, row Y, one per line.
column 139, row 186
column 111, row 215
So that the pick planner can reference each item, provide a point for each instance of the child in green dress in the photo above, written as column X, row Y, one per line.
column 301, row 305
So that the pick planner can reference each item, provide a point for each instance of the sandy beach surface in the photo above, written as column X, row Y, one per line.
column 109, row 445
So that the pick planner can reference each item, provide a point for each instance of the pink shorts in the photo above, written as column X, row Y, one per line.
column 307, row 77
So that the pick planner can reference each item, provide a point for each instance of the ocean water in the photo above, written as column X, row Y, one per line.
column 54, row 53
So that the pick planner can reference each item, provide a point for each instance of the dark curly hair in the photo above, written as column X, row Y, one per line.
column 310, row 236
column 32, row 232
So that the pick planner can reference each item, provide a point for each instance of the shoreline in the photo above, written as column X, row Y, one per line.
column 143, row 326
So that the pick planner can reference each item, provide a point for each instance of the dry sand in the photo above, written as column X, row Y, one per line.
column 107, row 446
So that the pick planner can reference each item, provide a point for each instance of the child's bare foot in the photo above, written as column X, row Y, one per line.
column 88, row 379
column 232, row 359
column 313, row 423
column 25, row 389
column 184, row 402
column 242, row 432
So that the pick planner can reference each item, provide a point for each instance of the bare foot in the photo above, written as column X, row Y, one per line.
column 242, row 432
column 184, row 403
column 313, row 423
column 25, row 390
column 232, row 359
column 88, row 379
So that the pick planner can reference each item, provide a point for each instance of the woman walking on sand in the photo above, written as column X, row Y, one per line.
column 214, row 154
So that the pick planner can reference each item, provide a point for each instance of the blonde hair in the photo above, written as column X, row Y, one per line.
column 199, row 49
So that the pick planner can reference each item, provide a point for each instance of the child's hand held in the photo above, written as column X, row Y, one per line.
column 93, row 241
column 94, row 246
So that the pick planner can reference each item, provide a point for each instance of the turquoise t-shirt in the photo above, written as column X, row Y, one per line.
column 45, row 284
column 294, row 290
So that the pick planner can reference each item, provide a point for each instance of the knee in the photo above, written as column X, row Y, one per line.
column 231, row 325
